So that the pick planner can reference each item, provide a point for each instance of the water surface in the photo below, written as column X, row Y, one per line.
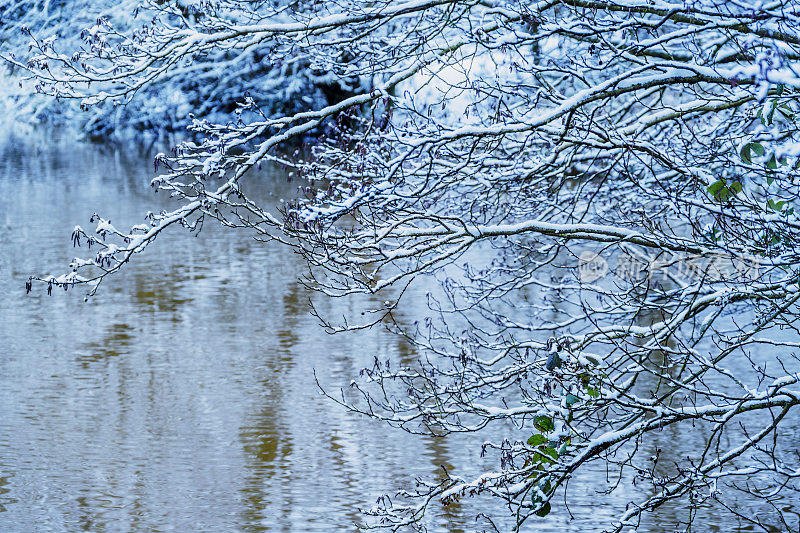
column 182, row 397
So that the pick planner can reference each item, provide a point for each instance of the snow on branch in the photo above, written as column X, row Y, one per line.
column 594, row 203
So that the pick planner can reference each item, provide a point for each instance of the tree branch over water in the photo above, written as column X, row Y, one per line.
column 603, row 193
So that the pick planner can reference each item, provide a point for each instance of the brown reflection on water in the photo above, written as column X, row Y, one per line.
column 116, row 340
column 157, row 293
column 89, row 519
column 440, row 458
column 266, row 443
column 5, row 481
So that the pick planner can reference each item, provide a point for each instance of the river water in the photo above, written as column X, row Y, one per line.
column 182, row 397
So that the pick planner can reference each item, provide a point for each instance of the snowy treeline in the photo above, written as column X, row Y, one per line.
column 207, row 85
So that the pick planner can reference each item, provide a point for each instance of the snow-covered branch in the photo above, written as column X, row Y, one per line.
column 593, row 201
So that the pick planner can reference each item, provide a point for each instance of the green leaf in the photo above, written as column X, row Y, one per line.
column 551, row 452
column 715, row 187
column 723, row 191
column 592, row 359
column 571, row 399
column 592, row 392
column 563, row 448
column 544, row 510
column 776, row 206
column 747, row 151
column 544, row 423
column 772, row 164
column 536, row 440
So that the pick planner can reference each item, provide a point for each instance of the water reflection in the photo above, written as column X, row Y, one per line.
column 115, row 341
column 5, row 483
column 266, row 443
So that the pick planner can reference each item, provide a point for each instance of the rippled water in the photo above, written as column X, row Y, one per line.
column 182, row 397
